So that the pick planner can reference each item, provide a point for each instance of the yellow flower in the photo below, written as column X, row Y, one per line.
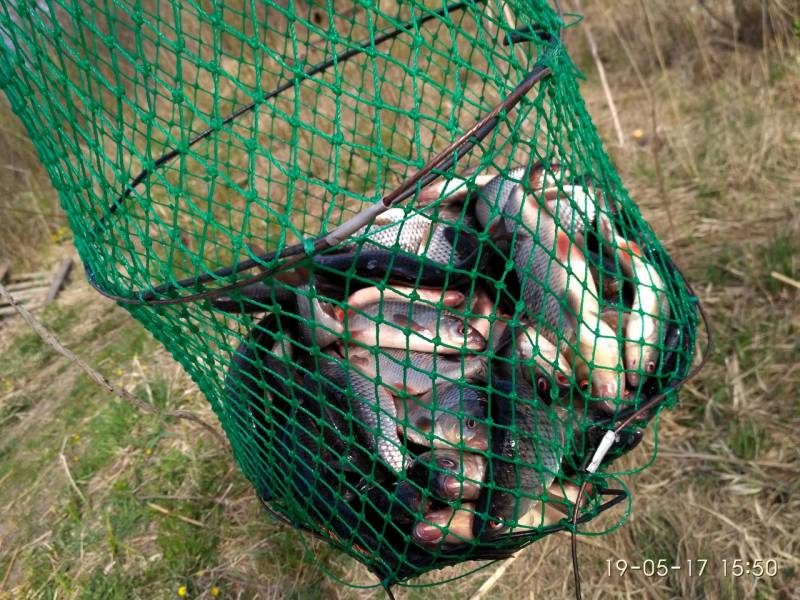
column 148, row 451
column 638, row 134
column 120, row 373
column 182, row 591
column 214, row 591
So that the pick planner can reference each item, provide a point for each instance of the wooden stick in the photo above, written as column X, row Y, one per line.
column 164, row 511
column 58, row 281
column 72, row 483
column 4, row 267
column 9, row 568
column 28, row 293
column 122, row 393
column 785, row 279
column 601, row 71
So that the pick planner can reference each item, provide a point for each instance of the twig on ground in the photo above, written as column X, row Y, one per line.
column 102, row 381
column 9, row 569
column 169, row 513
column 71, row 480
column 601, row 71
column 785, row 279
column 495, row 577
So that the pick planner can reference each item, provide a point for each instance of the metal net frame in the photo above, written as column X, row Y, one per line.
column 386, row 243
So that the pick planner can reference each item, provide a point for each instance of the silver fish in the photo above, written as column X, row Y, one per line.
column 446, row 417
column 571, row 207
column 395, row 228
column 414, row 373
column 548, row 363
column 598, row 353
column 373, row 409
column 372, row 295
column 543, row 280
column 643, row 330
column 495, row 195
column 527, row 447
column 319, row 324
column 410, row 326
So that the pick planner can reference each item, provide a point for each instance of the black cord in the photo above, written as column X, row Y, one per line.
column 650, row 404
column 291, row 255
column 174, row 153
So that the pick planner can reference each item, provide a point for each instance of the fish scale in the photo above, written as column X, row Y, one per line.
column 394, row 228
column 413, row 326
column 543, row 279
column 422, row 371
column 526, row 449
column 374, row 410
column 448, row 417
column 496, row 194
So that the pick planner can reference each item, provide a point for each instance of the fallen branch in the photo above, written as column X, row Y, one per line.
column 71, row 480
column 169, row 513
column 785, row 279
column 51, row 340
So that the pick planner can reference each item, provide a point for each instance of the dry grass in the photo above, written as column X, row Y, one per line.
column 719, row 117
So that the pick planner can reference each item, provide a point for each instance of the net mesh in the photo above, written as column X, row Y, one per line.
column 428, row 389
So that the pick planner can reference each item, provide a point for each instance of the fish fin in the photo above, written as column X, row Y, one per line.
column 563, row 246
column 635, row 249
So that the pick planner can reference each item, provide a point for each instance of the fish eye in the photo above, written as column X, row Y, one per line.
column 447, row 463
column 470, row 423
column 542, row 384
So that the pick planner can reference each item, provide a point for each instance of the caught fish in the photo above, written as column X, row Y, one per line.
column 319, row 323
column 373, row 409
column 548, row 362
column 410, row 326
column 527, row 445
column 450, row 474
column 562, row 495
column 371, row 295
column 414, row 373
column 597, row 345
column 395, row 228
column 495, row 195
column 451, row 191
column 570, row 206
column 650, row 305
column 504, row 195
column 446, row 526
column 446, row 417
column 616, row 318
column 483, row 314
column 602, row 267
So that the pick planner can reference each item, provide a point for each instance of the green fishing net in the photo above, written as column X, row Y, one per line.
column 385, row 241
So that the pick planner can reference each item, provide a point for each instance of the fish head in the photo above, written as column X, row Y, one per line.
column 457, row 331
column 445, row 525
column 460, row 428
column 606, row 383
column 460, row 475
